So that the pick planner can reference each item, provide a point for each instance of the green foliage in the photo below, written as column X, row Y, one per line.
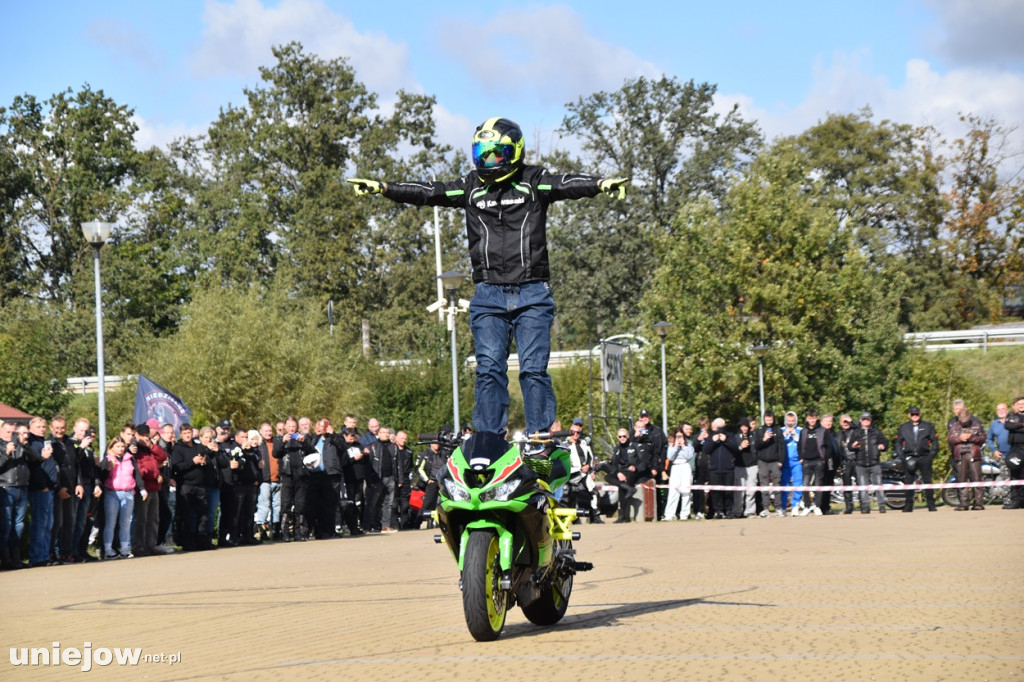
column 32, row 376
column 665, row 135
column 775, row 267
column 75, row 159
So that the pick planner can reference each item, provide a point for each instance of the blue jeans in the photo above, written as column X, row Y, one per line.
column 12, row 519
column 118, row 506
column 41, row 503
column 268, row 506
column 497, row 314
column 792, row 474
column 212, row 511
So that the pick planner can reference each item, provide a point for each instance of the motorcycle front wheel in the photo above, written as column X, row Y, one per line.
column 483, row 601
column 549, row 608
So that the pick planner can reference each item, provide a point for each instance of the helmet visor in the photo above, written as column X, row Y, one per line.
column 492, row 154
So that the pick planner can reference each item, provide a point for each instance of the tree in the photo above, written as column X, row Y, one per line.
column 984, row 226
column 75, row 160
column 32, row 376
column 775, row 267
column 665, row 135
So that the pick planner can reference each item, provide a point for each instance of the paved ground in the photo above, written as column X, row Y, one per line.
column 901, row 596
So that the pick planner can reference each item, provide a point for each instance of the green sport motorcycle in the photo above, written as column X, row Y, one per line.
column 511, row 539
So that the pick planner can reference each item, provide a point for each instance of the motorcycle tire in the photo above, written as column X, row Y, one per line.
column 951, row 496
column 990, row 494
column 549, row 608
column 484, row 603
column 895, row 499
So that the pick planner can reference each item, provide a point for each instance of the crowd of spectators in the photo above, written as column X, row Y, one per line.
column 817, row 453
column 151, row 490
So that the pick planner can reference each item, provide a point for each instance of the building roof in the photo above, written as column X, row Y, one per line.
column 13, row 414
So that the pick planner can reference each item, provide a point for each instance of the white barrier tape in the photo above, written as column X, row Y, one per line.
column 903, row 487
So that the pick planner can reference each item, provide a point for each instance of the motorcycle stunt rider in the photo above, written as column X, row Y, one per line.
column 505, row 202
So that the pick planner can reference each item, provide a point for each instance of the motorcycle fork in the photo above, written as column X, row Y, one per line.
column 505, row 538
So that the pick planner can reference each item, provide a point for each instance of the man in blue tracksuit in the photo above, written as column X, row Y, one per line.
column 792, row 471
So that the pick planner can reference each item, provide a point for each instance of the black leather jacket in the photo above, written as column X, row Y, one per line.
column 864, row 443
column 13, row 467
column 926, row 444
column 506, row 223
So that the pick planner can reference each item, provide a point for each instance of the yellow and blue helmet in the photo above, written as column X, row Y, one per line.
column 497, row 149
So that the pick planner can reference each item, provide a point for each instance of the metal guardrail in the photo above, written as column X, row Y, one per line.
column 85, row 385
column 933, row 341
column 969, row 338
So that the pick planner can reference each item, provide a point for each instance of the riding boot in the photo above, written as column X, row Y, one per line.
column 1015, row 498
column 908, row 505
column 595, row 516
column 301, row 529
column 286, row 532
column 929, row 496
column 848, row 498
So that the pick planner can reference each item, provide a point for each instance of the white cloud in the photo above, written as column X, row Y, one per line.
column 554, row 61
column 990, row 32
column 239, row 35
column 926, row 97
column 157, row 134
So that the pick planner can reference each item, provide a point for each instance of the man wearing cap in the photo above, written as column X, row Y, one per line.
column 659, row 448
column 867, row 444
column 916, row 445
column 220, row 493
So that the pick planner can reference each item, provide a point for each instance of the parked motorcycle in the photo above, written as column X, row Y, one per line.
column 511, row 540
column 892, row 474
column 991, row 470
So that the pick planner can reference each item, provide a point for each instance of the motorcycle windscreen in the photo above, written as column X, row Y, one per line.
column 484, row 448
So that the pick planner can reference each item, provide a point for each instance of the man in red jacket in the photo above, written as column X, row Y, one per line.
column 150, row 459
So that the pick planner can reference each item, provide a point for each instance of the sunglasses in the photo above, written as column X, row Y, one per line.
column 622, row 435
column 575, row 431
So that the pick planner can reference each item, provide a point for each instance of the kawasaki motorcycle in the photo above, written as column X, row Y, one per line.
column 511, row 540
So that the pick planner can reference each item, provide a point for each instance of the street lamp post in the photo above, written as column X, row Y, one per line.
column 760, row 351
column 662, row 328
column 97, row 233
column 452, row 281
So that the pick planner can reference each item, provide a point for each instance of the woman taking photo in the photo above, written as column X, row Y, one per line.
column 680, row 478
column 121, row 478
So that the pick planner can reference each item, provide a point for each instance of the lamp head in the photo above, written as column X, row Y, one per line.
column 96, row 232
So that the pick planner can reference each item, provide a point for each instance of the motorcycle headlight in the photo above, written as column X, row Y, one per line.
column 456, row 492
column 501, row 492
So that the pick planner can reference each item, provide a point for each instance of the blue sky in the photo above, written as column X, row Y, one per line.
column 786, row 64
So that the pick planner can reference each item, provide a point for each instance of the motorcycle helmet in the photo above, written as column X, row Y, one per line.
column 497, row 149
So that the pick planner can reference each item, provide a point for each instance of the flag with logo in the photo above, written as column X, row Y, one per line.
column 156, row 406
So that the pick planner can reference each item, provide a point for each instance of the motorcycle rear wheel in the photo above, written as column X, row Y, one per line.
column 549, row 608
column 952, row 496
column 483, row 601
